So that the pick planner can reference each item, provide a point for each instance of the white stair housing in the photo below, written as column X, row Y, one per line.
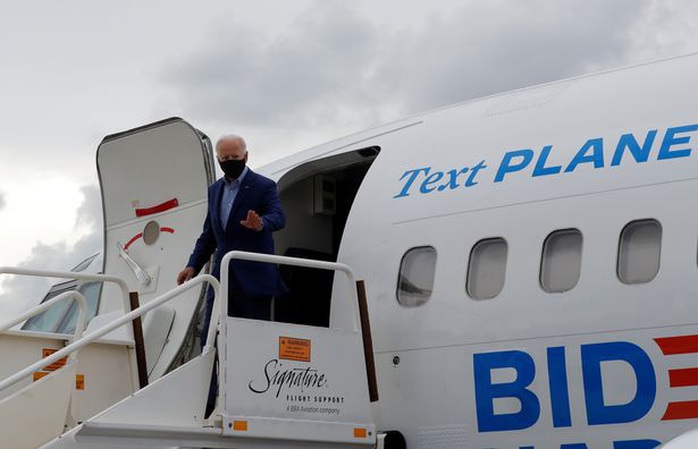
column 280, row 386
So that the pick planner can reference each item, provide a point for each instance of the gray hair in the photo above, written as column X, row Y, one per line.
column 234, row 138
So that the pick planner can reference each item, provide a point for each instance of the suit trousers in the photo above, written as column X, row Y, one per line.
column 239, row 305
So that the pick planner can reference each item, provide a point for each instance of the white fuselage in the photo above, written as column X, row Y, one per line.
column 530, row 259
column 584, row 367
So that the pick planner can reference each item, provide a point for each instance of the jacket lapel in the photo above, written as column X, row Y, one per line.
column 215, row 209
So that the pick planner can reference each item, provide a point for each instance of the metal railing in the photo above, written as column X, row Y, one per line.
column 273, row 259
column 74, row 275
column 85, row 340
column 74, row 294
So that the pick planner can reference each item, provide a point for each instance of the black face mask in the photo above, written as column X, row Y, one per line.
column 233, row 167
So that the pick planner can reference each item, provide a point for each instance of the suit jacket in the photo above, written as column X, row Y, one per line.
column 256, row 193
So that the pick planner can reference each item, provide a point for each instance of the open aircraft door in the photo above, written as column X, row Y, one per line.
column 154, row 182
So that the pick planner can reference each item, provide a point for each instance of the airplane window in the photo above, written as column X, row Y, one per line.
column 151, row 232
column 91, row 292
column 562, row 261
column 62, row 317
column 48, row 320
column 487, row 268
column 416, row 280
column 638, row 251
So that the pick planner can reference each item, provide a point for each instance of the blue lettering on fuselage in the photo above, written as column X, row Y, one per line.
column 514, row 161
column 486, row 391
column 592, row 357
column 523, row 390
column 592, row 153
column 596, row 153
column 629, row 142
column 429, row 180
column 597, row 411
column 621, row 444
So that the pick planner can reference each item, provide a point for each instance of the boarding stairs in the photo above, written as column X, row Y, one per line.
column 280, row 385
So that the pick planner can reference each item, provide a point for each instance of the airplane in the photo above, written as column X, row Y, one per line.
column 530, row 264
column 62, row 318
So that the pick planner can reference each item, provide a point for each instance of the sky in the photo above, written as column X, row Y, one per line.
column 286, row 75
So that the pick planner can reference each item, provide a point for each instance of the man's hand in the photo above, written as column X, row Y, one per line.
column 185, row 275
column 253, row 221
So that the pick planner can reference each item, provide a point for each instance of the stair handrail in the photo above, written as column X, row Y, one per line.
column 265, row 258
column 86, row 339
column 73, row 275
column 74, row 294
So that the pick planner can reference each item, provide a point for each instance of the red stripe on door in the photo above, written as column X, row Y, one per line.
column 133, row 239
column 167, row 205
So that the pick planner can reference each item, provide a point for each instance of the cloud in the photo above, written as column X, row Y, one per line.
column 3, row 202
column 313, row 70
column 21, row 293
column 666, row 28
column 333, row 65
column 89, row 213
column 496, row 46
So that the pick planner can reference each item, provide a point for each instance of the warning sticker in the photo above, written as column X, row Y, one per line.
column 60, row 363
column 79, row 381
column 297, row 349
column 39, row 374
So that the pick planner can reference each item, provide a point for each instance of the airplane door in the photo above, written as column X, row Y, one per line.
column 154, row 182
column 317, row 197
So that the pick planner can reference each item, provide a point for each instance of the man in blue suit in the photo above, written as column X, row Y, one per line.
column 243, row 211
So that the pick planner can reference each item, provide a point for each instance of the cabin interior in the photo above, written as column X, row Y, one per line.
column 317, row 197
